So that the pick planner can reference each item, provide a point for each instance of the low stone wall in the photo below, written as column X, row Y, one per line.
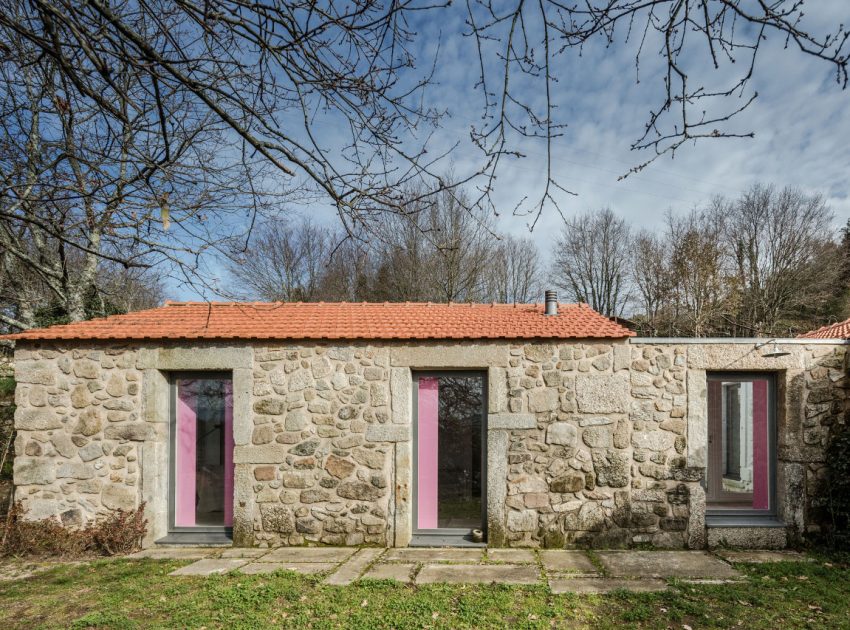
column 589, row 443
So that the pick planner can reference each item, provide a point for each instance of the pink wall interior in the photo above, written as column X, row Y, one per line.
column 427, row 453
column 184, row 500
column 761, row 461
column 186, row 456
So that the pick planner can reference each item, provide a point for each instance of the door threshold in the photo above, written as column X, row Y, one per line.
column 444, row 540
column 195, row 539
column 742, row 520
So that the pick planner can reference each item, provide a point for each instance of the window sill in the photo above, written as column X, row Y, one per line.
column 742, row 520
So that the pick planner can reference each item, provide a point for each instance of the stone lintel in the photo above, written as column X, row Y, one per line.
column 511, row 421
column 197, row 358
column 266, row 454
column 460, row 355
column 388, row 433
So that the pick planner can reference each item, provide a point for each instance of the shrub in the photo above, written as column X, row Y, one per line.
column 119, row 533
column 838, row 488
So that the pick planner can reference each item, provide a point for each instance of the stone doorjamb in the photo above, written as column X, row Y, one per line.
column 155, row 364
column 494, row 359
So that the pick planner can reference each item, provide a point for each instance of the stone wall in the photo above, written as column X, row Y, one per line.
column 605, row 464
column 321, row 411
column 79, row 432
column 589, row 442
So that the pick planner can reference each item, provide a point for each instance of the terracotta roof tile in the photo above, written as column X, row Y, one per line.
column 288, row 320
column 841, row 330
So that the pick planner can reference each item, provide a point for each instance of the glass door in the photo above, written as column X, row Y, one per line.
column 450, row 452
column 741, row 442
column 202, row 451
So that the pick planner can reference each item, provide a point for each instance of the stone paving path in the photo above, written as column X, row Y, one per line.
column 565, row 571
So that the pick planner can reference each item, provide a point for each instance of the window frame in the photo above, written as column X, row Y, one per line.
column 721, row 504
column 443, row 532
column 173, row 377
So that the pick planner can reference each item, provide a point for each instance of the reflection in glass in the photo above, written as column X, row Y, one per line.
column 739, row 443
column 204, row 453
column 450, row 424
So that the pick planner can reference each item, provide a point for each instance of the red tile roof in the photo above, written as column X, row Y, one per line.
column 286, row 320
column 841, row 330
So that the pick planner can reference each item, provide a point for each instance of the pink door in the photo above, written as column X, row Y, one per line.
column 203, row 452
column 450, row 479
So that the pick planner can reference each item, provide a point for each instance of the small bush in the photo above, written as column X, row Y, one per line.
column 119, row 533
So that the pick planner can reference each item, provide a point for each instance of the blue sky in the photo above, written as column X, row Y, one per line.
column 801, row 121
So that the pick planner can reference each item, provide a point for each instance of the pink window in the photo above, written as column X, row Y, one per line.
column 740, row 442
column 203, row 452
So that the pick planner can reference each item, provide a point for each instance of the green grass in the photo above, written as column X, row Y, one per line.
column 140, row 594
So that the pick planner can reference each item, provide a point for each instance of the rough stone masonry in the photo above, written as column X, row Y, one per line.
column 589, row 443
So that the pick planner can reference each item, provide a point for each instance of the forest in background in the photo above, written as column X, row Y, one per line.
column 768, row 263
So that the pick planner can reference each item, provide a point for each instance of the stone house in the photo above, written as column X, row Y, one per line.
column 416, row 424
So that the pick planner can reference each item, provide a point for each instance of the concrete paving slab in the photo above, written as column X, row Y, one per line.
column 307, row 568
column 397, row 572
column 711, row 581
column 515, row 556
column 562, row 560
column 758, row 556
column 176, row 553
column 478, row 574
column 354, row 567
column 433, row 554
column 603, row 585
column 308, row 554
column 211, row 566
column 243, row 552
column 682, row 564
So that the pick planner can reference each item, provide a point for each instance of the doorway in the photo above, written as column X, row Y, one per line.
column 201, row 452
column 450, row 453
column 741, row 443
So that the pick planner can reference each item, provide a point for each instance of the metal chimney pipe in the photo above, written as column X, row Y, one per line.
column 551, row 303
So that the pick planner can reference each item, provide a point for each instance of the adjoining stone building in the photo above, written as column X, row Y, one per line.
column 400, row 424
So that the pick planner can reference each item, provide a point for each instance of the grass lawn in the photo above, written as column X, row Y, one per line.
column 139, row 594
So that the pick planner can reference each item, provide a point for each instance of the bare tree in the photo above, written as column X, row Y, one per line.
column 463, row 242
column 436, row 250
column 698, row 273
column 81, row 191
column 652, row 279
column 689, row 43
column 513, row 272
column 780, row 242
column 592, row 261
column 285, row 261
column 331, row 92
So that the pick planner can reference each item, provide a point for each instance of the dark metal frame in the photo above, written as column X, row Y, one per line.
column 173, row 377
column 415, row 445
column 722, row 505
